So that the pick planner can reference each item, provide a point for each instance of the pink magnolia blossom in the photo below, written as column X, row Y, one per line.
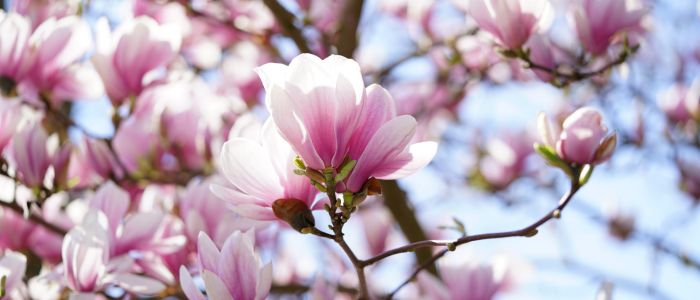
column 541, row 54
column 322, row 108
column 54, row 57
column 468, row 280
column 672, row 101
column 86, row 259
column 234, row 272
column 139, row 231
column 94, row 162
column 377, row 225
column 202, row 211
column 12, row 267
column 125, row 57
column 10, row 117
column 33, row 152
column 14, row 229
column 136, row 142
column 40, row 10
column 584, row 138
column 598, row 21
column 511, row 22
column 14, row 34
column 505, row 159
column 259, row 172
column 249, row 15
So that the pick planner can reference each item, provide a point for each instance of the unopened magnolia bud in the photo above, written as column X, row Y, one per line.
column 295, row 212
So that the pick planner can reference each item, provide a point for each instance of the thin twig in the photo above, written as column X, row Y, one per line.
column 527, row 231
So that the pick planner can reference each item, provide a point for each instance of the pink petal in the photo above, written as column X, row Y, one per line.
column 188, row 286
column 389, row 141
column 216, row 289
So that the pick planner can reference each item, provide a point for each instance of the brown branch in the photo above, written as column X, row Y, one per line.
column 338, row 220
column 286, row 21
column 346, row 38
column 566, row 78
column 294, row 288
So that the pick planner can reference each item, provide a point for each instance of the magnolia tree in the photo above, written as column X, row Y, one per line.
column 245, row 149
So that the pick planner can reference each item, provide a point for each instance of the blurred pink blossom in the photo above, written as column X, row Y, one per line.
column 33, row 152
column 235, row 272
column 10, row 117
column 125, row 57
column 14, row 34
column 88, row 268
column 12, row 267
column 39, row 11
column 468, row 280
column 511, row 22
column 672, row 101
column 505, row 159
column 598, row 21
column 55, row 62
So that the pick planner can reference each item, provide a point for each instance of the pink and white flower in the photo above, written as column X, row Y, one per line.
column 12, row 267
column 467, row 280
column 511, row 22
column 88, row 265
column 55, row 53
column 584, row 138
column 259, row 172
column 322, row 108
column 125, row 57
column 598, row 21
column 33, row 152
column 234, row 272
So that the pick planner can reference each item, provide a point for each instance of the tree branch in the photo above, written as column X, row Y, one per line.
column 286, row 20
column 346, row 39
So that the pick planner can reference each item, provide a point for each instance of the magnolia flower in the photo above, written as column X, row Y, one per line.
column 505, row 159
column 235, row 272
column 584, row 138
column 140, row 231
column 260, row 172
column 94, row 162
column 322, row 108
column 54, row 55
column 34, row 152
column 598, row 21
column 87, row 264
column 10, row 117
column 41, row 10
column 12, row 267
column 511, row 22
column 541, row 54
column 137, row 47
column 672, row 101
column 14, row 33
column 202, row 211
column 468, row 280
